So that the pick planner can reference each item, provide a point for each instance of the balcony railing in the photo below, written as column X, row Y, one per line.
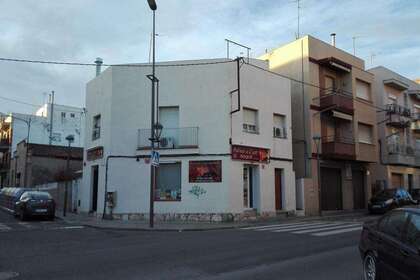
column 336, row 100
column 4, row 144
column 400, row 154
column 171, row 138
column 398, row 116
column 338, row 147
column 415, row 116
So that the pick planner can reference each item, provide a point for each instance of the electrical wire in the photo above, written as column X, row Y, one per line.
column 112, row 65
column 19, row 102
column 316, row 86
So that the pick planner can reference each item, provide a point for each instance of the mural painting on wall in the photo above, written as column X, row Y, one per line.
column 205, row 171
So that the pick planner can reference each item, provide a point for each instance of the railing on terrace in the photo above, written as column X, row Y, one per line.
column 336, row 100
column 398, row 109
column 400, row 149
column 171, row 138
column 338, row 139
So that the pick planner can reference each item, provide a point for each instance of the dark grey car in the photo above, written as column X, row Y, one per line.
column 35, row 203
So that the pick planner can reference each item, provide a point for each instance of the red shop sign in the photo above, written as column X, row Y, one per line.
column 250, row 153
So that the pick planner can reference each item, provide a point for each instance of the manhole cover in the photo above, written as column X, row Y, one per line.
column 8, row 275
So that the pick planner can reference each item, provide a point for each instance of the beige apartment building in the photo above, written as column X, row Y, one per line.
column 334, row 109
column 398, row 130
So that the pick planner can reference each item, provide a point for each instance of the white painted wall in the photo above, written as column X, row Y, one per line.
column 122, row 96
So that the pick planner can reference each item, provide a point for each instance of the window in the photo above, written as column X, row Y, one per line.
column 72, row 115
column 63, row 115
column 96, row 130
column 279, row 126
column 250, row 120
column 413, row 231
column 395, row 224
column 168, row 182
column 365, row 134
column 363, row 90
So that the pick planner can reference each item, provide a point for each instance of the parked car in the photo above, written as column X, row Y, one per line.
column 9, row 197
column 390, row 199
column 390, row 246
column 415, row 194
column 35, row 203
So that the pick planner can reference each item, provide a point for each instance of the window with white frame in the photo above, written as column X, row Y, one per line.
column 250, row 120
column 279, row 126
column 72, row 115
column 365, row 134
column 363, row 90
column 96, row 127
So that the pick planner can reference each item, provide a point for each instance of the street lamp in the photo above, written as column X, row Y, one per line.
column 70, row 139
column 317, row 140
column 154, row 127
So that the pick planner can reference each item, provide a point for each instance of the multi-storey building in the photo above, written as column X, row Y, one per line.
column 50, row 125
column 333, row 108
column 398, row 130
column 225, row 148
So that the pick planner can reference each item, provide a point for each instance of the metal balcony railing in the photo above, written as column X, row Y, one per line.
column 336, row 100
column 171, row 138
column 398, row 109
column 400, row 149
column 416, row 116
column 338, row 147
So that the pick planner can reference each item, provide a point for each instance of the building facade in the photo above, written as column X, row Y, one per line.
column 50, row 125
column 37, row 164
column 398, row 130
column 333, row 110
column 225, row 149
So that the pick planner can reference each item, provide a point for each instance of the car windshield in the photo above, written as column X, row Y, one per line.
column 38, row 195
column 386, row 193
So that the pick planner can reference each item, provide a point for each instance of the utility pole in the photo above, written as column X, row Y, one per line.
column 70, row 139
column 51, row 116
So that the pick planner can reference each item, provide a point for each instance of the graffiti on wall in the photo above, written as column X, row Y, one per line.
column 197, row 191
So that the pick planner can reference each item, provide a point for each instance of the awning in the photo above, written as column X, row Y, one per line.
column 343, row 116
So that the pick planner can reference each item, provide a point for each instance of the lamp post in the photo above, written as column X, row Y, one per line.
column 317, row 140
column 70, row 139
column 153, row 138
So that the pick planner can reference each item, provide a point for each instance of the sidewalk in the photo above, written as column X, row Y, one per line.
column 89, row 221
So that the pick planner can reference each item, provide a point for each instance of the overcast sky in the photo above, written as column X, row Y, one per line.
column 119, row 32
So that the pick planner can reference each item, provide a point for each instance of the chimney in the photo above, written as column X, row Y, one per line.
column 98, row 63
column 333, row 39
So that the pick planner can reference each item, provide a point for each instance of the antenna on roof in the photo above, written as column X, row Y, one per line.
column 298, row 18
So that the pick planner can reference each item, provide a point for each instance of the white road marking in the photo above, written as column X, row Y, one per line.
column 276, row 225
column 70, row 227
column 307, row 227
column 325, row 228
column 338, row 231
column 26, row 225
column 4, row 227
column 291, row 227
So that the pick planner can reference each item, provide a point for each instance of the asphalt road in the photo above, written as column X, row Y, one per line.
column 55, row 250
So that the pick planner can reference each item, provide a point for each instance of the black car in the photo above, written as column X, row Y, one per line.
column 389, row 199
column 390, row 246
column 35, row 203
column 415, row 194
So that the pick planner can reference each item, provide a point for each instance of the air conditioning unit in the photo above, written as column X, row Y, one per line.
column 167, row 142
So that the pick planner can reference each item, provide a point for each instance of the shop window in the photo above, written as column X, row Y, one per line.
column 365, row 134
column 96, row 131
column 279, row 126
column 168, row 182
column 363, row 90
column 250, row 120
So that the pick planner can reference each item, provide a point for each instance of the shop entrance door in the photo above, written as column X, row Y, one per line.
column 397, row 180
column 95, row 175
column 278, row 188
column 358, row 189
column 248, row 186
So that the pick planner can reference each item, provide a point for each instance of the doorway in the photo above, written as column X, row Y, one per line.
column 278, row 188
column 410, row 183
column 331, row 189
column 95, row 175
column 397, row 180
column 251, row 188
column 358, row 189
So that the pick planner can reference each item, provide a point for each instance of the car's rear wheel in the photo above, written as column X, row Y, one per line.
column 369, row 267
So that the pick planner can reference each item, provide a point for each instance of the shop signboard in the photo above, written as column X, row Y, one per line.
column 250, row 153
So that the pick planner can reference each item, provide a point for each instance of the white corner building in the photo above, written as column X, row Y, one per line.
column 225, row 149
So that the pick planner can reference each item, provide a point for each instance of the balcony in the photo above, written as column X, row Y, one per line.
column 336, row 147
column 398, row 116
column 415, row 125
column 336, row 100
column 399, row 154
column 171, row 138
column 4, row 145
